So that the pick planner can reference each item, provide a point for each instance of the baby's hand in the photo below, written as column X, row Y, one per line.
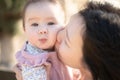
column 17, row 71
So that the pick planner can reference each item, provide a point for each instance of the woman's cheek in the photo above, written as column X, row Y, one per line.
column 62, row 50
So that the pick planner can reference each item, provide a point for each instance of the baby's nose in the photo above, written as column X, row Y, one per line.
column 43, row 31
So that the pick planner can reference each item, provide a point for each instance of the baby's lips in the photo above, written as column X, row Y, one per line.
column 43, row 40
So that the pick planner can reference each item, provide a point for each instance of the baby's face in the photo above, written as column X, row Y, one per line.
column 42, row 22
column 70, row 42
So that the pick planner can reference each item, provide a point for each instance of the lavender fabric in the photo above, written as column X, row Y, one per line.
column 55, row 69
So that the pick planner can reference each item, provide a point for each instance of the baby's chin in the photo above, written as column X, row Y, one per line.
column 48, row 48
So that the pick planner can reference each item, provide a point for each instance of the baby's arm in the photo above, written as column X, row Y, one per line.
column 17, row 71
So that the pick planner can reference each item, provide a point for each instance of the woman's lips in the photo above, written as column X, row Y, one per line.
column 43, row 40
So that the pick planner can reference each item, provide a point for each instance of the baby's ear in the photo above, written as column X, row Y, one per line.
column 24, row 28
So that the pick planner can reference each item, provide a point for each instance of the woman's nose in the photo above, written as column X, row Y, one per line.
column 43, row 31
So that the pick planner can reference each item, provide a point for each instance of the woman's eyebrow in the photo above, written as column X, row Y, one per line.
column 67, row 41
column 67, row 35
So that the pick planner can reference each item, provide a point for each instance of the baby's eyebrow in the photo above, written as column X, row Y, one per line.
column 35, row 18
column 51, row 18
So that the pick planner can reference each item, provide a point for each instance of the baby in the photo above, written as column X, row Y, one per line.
column 42, row 19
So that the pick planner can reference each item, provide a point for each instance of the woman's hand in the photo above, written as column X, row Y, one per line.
column 17, row 70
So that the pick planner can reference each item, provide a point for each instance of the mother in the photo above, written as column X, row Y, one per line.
column 91, row 42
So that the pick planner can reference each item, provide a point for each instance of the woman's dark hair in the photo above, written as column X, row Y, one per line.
column 101, row 47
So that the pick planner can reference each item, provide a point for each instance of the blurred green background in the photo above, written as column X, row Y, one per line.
column 10, row 14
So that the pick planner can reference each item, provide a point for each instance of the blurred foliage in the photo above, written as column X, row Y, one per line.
column 10, row 13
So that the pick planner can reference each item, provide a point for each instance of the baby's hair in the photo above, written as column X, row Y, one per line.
column 29, row 2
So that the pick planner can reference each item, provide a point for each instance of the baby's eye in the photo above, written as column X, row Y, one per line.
column 35, row 24
column 50, row 23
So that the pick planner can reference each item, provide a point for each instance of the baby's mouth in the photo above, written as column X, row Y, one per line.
column 43, row 40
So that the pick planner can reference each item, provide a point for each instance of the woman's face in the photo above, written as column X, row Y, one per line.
column 69, row 42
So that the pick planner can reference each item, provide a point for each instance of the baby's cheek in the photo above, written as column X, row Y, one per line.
column 58, row 43
column 59, row 37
